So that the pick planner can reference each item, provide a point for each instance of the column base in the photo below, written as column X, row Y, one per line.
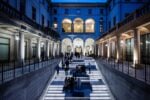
column 137, row 66
column 21, row 62
column 118, row 61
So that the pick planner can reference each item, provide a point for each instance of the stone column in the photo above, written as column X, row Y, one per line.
column 136, row 52
column 47, row 49
column 21, row 47
column 50, row 49
column 98, row 52
column 72, row 46
column 53, row 49
column 30, row 48
column 57, row 49
column 118, row 47
column 108, row 49
column 38, row 48
column 122, row 49
column 16, row 48
column 102, row 49
column 94, row 49
column 84, row 48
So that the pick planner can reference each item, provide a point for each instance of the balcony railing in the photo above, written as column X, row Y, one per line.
column 12, row 69
column 140, row 72
column 133, row 16
column 13, row 13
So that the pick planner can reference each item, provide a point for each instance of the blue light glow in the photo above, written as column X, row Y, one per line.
column 78, row 1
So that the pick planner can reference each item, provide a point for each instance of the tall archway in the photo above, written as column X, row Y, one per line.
column 78, row 45
column 66, row 46
column 89, row 46
column 90, row 25
column 78, row 25
column 66, row 25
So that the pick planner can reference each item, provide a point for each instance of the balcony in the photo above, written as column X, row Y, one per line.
column 15, row 15
column 144, row 10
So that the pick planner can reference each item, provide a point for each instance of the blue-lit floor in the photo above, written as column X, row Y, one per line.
column 93, row 85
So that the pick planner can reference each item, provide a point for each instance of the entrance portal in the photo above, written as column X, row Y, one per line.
column 78, row 45
column 78, row 49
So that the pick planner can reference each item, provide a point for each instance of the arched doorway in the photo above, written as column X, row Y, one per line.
column 66, row 46
column 89, row 46
column 78, row 45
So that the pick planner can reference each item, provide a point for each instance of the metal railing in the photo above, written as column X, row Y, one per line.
column 133, row 16
column 138, row 71
column 14, row 14
column 14, row 69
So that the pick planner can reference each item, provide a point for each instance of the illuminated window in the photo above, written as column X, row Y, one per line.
column 78, row 25
column 66, row 25
column 90, row 25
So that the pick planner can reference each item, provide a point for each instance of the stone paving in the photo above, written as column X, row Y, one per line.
column 93, row 86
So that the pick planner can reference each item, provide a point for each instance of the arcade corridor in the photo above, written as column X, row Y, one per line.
column 74, row 49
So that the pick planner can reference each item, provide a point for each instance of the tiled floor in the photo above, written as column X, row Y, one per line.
column 93, row 85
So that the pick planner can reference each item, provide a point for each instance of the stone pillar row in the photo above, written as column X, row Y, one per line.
column 136, row 50
column 52, row 48
column 21, row 47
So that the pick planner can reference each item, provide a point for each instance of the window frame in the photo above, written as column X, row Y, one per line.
column 8, row 59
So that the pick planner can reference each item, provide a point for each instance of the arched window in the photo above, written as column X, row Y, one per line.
column 78, row 25
column 66, row 25
column 89, row 25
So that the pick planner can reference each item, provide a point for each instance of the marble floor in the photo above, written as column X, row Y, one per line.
column 93, row 85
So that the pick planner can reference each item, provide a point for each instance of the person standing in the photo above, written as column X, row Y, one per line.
column 62, row 63
column 57, row 69
column 66, row 71
column 67, row 66
column 89, row 68
column 67, row 63
column 78, row 83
